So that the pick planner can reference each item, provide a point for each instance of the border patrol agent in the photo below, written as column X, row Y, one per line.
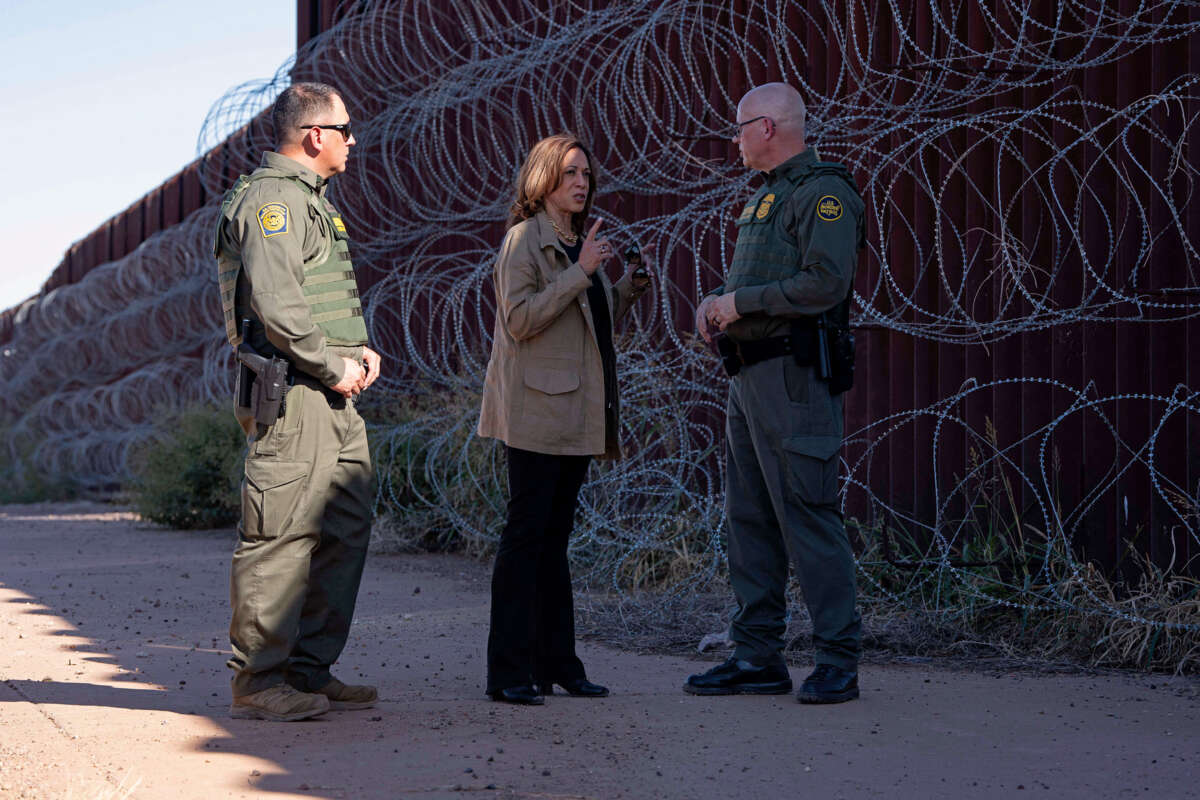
column 792, row 270
column 283, row 263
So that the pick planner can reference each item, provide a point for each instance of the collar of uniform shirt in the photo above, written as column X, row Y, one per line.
column 796, row 162
column 287, row 165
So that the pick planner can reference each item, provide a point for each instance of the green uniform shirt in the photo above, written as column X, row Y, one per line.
column 274, row 232
column 820, row 221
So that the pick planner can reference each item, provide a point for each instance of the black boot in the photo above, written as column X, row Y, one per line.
column 736, row 676
column 829, row 684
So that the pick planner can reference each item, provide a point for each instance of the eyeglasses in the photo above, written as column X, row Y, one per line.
column 736, row 130
column 343, row 129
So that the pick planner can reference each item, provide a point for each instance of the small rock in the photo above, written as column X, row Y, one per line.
column 714, row 640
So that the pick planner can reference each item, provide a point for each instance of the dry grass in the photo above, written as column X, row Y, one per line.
column 1149, row 628
column 1094, row 624
column 653, row 622
column 683, row 557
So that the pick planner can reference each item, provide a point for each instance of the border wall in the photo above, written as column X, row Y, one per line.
column 1025, row 308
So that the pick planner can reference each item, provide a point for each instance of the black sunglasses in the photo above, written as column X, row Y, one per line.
column 343, row 129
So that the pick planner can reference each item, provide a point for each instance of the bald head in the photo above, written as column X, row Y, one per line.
column 777, row 133
column 778, row 101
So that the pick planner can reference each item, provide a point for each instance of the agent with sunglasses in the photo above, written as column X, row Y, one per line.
column 283, row 263
column 793, row 264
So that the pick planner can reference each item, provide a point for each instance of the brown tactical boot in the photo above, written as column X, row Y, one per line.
column 280, row 703
column 348, row 698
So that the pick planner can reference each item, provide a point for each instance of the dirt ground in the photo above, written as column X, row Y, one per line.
column 113, row 685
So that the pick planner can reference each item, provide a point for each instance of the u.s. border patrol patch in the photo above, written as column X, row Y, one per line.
column 829, row 208
column 764, row 206
column 273, row 219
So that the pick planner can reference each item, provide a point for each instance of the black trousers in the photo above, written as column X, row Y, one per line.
column 532, row 636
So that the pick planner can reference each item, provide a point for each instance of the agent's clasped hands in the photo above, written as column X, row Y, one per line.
column 714, row 314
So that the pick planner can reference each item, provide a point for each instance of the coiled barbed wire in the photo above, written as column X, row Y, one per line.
column 446, row 98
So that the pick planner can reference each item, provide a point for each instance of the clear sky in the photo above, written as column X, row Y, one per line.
column 105, row 100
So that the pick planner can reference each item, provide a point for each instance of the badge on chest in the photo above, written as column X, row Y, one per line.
column 757, row 210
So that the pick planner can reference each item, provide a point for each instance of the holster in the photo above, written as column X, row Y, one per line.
column 835, row 348
column 261, row 382
column 243, row 388
column 270, row 385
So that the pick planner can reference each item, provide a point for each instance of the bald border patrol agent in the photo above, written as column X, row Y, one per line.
column 283, row 263
column 781, row 321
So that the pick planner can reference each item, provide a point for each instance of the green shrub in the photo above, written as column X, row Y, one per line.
column 188, row 475
column 22, row 480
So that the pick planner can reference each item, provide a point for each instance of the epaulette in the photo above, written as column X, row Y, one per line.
column 821, row 169
column 233, row 194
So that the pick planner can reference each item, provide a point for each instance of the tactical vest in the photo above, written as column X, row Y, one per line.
column 765, row 251
column 329, row 285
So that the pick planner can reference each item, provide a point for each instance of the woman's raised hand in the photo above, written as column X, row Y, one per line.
column 595, row 251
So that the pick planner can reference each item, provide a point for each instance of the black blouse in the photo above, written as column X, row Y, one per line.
column 598, row 300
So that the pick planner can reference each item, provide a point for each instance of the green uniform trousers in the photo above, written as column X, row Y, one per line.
column 306, row 522
column 783, row 434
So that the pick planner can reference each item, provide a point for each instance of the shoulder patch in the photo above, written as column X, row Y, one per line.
column 829, row 208
column 273, row 219
column 764, row 206
column 337, row 223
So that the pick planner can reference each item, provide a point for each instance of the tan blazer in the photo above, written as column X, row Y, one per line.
column 544, row 389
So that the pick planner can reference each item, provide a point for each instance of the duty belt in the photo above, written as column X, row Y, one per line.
column 297, row 376
column 735, row 354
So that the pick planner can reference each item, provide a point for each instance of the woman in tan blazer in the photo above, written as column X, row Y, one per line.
column 551, row 396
